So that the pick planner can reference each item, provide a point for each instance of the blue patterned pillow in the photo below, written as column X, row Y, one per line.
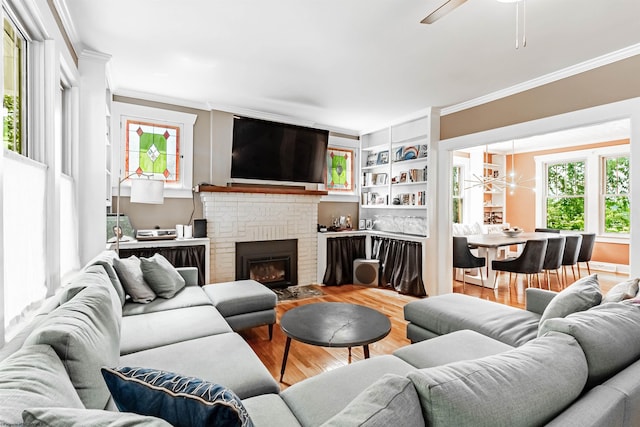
column 181, row 401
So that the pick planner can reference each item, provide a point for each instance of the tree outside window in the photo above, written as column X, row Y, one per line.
column 457, row 194
column 12, row 104
column 617, row 211
column 565, row 202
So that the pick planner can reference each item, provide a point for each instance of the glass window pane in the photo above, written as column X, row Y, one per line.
column 12, row 103
column 565, row 213
column 617, row 214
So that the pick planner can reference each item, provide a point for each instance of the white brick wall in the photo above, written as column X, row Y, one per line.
column 247, row 217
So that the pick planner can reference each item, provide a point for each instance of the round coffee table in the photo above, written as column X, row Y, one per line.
column 333, row 324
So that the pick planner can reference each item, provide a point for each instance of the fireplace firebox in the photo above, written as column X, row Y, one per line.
column 274, row 263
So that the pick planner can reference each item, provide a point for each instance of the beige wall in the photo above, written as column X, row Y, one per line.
column 520, row 206
column 173, row 211
column 328, row 210
column 603, row 85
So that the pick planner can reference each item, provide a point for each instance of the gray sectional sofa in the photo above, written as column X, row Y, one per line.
column 580, row 369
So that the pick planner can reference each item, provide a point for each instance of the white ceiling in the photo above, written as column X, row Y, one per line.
column 341, row 64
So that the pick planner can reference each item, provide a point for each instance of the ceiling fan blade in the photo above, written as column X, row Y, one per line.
column 441, row 11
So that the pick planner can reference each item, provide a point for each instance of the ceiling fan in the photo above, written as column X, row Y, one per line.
column 447, row 6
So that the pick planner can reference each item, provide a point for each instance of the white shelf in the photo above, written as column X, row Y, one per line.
column 408, row 184
column 393, row 206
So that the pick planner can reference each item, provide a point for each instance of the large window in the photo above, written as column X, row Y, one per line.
column 586, row 190
column 456, row 191
column 566, row 195
column 617, row 212
column 13, row 96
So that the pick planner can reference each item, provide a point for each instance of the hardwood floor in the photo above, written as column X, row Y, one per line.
column 306, row 360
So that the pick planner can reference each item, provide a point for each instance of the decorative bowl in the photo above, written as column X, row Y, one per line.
column 512, row 232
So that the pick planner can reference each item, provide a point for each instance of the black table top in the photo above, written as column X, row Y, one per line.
column 335, row 324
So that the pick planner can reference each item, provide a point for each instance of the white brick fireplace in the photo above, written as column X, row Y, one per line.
column 246, row 214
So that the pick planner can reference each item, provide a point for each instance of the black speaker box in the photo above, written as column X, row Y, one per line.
column 199, row 228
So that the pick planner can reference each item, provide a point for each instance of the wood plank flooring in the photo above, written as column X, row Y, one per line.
column 306, row 360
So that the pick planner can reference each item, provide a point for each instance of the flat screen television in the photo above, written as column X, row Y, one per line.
column 265, row 150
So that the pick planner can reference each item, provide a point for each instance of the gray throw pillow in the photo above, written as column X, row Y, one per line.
column 130, row 273
column 163, row 277
column 608, row 335
column 527, row 386
column 33, row 376
column 579, row 296
column 382, row 404
column 622, row 291
column 67, row 417
column 85, row 334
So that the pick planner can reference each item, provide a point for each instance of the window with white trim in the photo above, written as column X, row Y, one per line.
column 13, row 101
column 616, row 210
column 565, row 195
column 585, row 190
column 456, row 190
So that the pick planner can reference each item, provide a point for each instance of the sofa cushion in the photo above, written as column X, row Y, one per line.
column 214, row 358
column 608, row 335
column 93, row 275
column 190, row 296
column 161, row 276
column 453, row 347
column 240, row 296
column 267, row 410
column 535, row 382
column 105, row 259
column 317, row 399
column 622, row 291
column 179, row 400
column 84, row 334
column 447, row 313
column 132, row 279
column 33, row 376
column 579, row 296
column 383, row 403
column 156, row 329
column 67, row 417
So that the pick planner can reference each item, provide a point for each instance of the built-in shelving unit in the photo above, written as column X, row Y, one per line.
column 393, row 171
column 494, row 189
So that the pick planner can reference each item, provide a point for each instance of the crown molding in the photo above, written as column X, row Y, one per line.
column 144, row 96
column 67, row 22
column 582, row 67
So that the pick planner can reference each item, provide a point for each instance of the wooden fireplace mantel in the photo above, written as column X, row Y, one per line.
column 259, row 190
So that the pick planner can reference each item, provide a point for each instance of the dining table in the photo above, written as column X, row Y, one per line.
column 489, row 244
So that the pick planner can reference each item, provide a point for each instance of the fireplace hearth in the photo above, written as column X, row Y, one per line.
column 271, row 262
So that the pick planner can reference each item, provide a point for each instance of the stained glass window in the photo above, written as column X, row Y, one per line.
column 152, row 149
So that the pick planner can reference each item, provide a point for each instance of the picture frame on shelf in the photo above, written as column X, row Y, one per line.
column 410, row 153
column 381, row 179
column 383, row 157
column 403, row 177
column 423, row 151
column 372, row 159
column 397, row 156
column 339, row 172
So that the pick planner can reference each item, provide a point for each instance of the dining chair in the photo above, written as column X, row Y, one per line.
column 529, row 262
column 586, row 250
column 547, row 230
column 570, row 255
column 463, row 258
column 553, row 259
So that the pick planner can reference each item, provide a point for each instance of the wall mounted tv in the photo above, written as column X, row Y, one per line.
column 265, row 150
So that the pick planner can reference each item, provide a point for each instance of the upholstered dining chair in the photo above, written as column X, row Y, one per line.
column 553, row 259
column 529, row 262
column 586, row 250
column 570, row 256
column 463, row 258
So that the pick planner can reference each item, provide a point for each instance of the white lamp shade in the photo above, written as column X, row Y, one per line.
column 150, row 191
